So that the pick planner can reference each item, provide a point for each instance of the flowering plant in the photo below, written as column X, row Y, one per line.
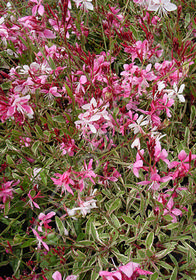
column 97, row 130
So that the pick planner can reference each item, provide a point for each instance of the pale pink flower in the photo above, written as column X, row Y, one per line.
column 57, row 276
column 39, row 8
column 155, row 180
column 170, row 210
column 138, row 164
column 31, row 200
column 129, row 271
column 40, row 240
column 6, row 190
column 175, row 92
column 161, row 6
column 45, row 220
column 94, row 113
column 85, row 4
column 168, row 206
column 64, row 181
column 20, row 104
column 141, row 121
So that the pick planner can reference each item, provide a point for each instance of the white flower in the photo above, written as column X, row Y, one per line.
column 141, row 121
column 175, row 92
column 161, row 6
column 178, row 92
column 85, row 4
column 136, row 143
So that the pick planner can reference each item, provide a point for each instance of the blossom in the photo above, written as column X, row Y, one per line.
column 20, row 104
column 68, row 146
column 64, row 181
column 168, row 207
column 45, row 220
column 85, row 4
column 175, row 92
column 138, row 164
column 40, row 241
column 161, row 6
column 6, row 191
column 170, row 210
column 84, row 206
column 129, row 271
column 37, row 8
column 31, row 201
column 57, row 276
column 141, row 121
column 89, row 119
column 155, row 180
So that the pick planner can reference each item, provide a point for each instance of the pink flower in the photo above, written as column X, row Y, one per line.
column 170, row 210
column 20, row 104
column 183, row 166
column 40, row 241
column 39, row 8
column 6, row 191
column 57, row 276
column 168, row 206
column 64, row 181
column 161, row 6
column 155, row 180
column 94, row 113
column 31, row 201
column 68, row 146
column 138, row 164
column 129, row 271
column 45, row 220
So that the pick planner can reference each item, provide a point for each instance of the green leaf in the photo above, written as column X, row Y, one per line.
column 69, row 92
column 122, row 258
column 134, row 31
column 165, row 265
column 115, row 205
column 4, row 263
column 35, row 146
column 190, row 213
column 171, row 226
column 95, row 233
column 94, row 275
column 39, row 131
column 6, row 85
column 168, row 218
column 62, row 230
column 59, row 119
column 186, row 20
column 43, row 176
column 10, row 145
column 6, row 207
column 163, row 253
column 174, row 274
column 154, row 276
column 29, row 242
column 129, row 220
column 115, row 221
column 52, row 63
column 79, row 255
column 193, row 114
column 149, row 239
column 187, row 136
column 9, row 160
column 85, row 243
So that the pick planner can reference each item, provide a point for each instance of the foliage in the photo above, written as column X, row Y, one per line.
column 97, row 140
